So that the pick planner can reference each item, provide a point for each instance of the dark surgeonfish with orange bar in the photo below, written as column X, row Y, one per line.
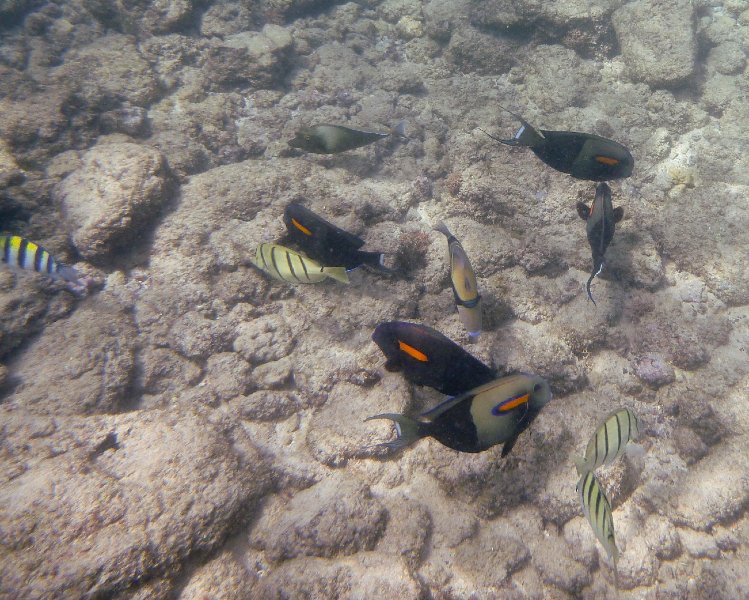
column 582, row 155
column 332, row 139
column 463, row 281
column 426, row 357
column 601, row 219
column 327, row 243
column 494, row 413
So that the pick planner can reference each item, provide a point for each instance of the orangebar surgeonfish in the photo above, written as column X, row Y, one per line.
column 494, row 413
column 332, row 139
column 463, row 281
column 582, row 155
column 327, row 243
column 289, row 266
column 601, row 219
column 20, row 252
column 426, row 357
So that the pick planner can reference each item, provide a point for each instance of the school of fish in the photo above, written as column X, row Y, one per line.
column 481, row 408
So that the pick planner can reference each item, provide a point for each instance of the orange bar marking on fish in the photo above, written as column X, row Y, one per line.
column 413, row 352
column 513, row 403
column 301, row 227
column 606, row 160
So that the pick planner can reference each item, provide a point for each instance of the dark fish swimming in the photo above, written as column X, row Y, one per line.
column 426, row 357
column 494, row 413
column 610, row 440
column 601, row 220
column 332, row 139
column 463, row 281
column 327, row 243
column 286, row 265
column 23, row 253
column 582, row 155
column 597, row 510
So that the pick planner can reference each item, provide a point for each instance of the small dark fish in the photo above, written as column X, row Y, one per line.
column 332, row 139
column 463, row 281
column 582, row 155
column 327, row 243
column 286, row 265
column 494, row 413
column 610, row 440
column 597, row 510
column 601, row 220
column 426, row 357
column 23, row 253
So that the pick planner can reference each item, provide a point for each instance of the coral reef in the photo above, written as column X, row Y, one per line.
column 189, row 428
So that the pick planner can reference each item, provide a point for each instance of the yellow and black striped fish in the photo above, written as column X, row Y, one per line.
column 286, row 265
column 609, row 440
column 597, row 510
column 463, row 280
column 20, row 252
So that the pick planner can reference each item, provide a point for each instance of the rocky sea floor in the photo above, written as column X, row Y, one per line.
column 192, row 429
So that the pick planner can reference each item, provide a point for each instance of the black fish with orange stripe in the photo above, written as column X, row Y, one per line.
column 582, row 155
column 601, row 219
column 426, row 357
column 494, row 413
column 327, row 243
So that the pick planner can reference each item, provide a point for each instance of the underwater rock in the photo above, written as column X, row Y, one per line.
column 228, row 375
column 10, row 172
column 653, row 369
column 470, row 50
column 222, row 577
column 146, row 16
column 267, row 405
column 408, row 531
column 337, row 516
column 258, row 59
column 264, row 339
column 651, row 57
column 163, row 370
column 164, row 484
column 365, row 575
column 227, row 18
column 95, row 372
column 196, row 336
column 554, row 559
column 107, row 72
column 113, row 197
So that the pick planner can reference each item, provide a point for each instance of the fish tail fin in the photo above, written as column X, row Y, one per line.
column 408, row 430
column 67, row 273
column 581, row 465
column 337, row 273
column 525, row 136
column 399, row 130
column 587, row 286
column 376, row 260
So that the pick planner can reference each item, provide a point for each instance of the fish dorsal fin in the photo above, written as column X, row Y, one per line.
column 446, row 405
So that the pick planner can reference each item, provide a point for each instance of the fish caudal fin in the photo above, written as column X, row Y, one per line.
column 408, row 430
column 337, row 273
column 442, row 228
column 399, row 130
column 375, row 260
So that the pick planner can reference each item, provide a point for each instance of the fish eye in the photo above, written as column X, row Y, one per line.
column 537, row 388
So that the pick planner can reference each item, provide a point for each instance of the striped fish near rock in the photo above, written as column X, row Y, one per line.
column 286, row 265
column 610, row 440
column 25, row 254
column 597, row 510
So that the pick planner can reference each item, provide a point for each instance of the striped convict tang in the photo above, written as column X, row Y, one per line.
column 286, row 265
column 597, row 510
column 610, row 440
column 20, row 252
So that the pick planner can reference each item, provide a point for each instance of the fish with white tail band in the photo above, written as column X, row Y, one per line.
column 286, row 265
column 463, row 281
column 610, row 440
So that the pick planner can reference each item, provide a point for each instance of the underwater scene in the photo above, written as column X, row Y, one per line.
column 390, row 299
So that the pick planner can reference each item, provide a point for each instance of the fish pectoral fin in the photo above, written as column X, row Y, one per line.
column 509, row 444
column 583, row 210
column 618, row 214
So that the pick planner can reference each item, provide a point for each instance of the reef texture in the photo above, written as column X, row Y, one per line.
column 190, row 428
